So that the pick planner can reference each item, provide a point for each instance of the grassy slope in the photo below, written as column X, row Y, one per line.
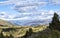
column 5, row 23
column 47, row 33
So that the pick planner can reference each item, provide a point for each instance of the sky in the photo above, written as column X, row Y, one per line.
column 28, row 10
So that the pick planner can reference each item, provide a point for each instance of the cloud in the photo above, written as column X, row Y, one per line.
column 5, row 3
column 3, row 14
column 41, row 15
column 28, row 7
column 25, row 5
column 6, row 15
column 56, row 1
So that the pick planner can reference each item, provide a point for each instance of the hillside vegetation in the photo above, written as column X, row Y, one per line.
column 18, row 31
column 7, row 29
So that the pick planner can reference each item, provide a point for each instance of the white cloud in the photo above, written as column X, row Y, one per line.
column 6, row 15
column 51, row 12
column 25, row 5
column 3, row 14
column 56, row 1
column 5, row 3
column 29, row 6
column 41, row 15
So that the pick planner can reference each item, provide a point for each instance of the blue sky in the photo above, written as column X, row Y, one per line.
column 30, row 10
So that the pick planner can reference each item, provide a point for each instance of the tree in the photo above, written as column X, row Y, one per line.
column 55, row 23
column 1, row 35
column 11, row 36
column 28, row 33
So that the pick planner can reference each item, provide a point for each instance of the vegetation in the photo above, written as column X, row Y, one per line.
column 55, row 23
column 18, row 31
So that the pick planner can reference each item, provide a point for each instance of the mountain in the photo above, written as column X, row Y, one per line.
column 5, row 23
column 16, row 22
column 30, row 23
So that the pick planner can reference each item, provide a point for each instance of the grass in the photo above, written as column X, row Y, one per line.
column 21, row 30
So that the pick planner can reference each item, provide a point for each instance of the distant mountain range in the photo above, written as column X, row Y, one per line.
column 30, row 23
column 22, row 23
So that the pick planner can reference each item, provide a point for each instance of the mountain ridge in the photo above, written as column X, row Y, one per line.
column 5, row 23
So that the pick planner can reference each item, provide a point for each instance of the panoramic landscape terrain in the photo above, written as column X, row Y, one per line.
column 9, row 30
column 29, row 18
